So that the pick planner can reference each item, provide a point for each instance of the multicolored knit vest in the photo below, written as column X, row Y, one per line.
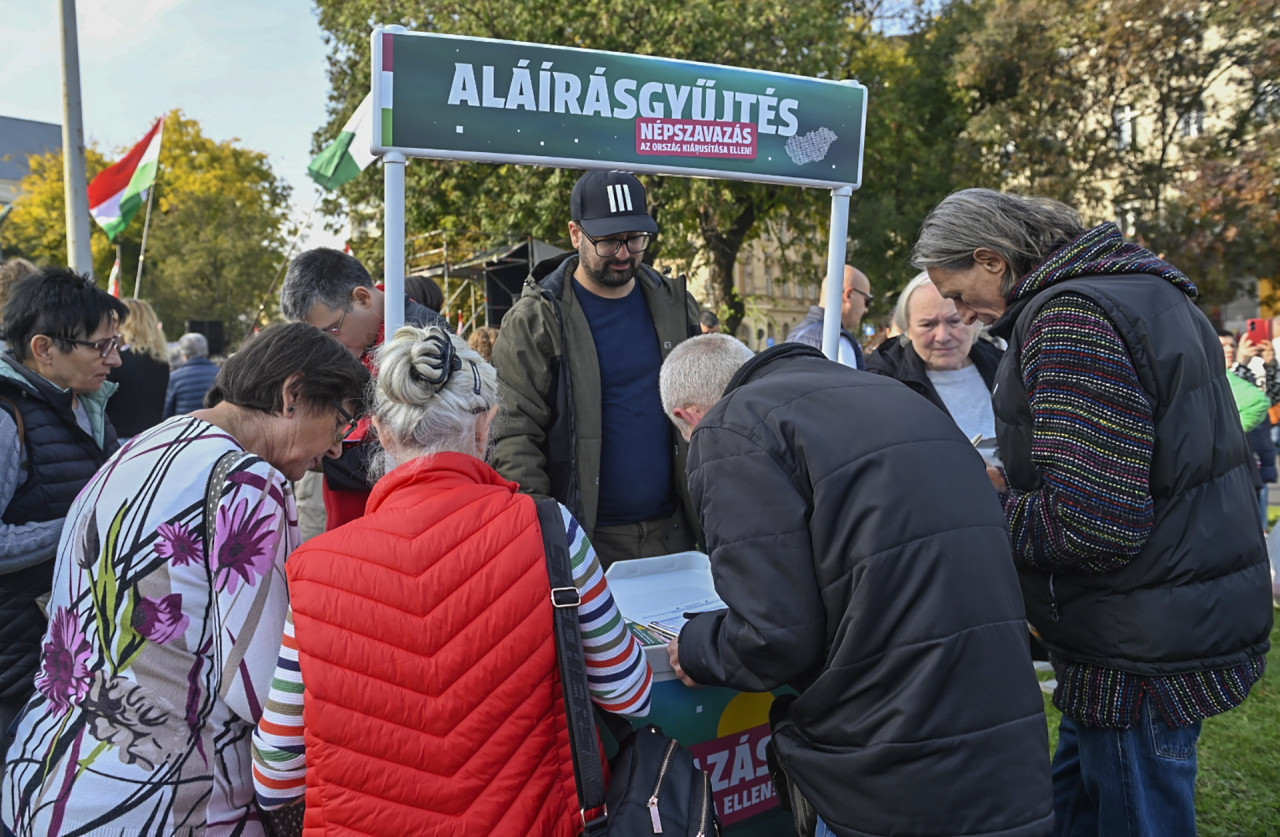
column 1195, row 600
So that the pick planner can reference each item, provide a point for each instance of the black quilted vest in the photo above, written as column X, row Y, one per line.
column 1197, row 597
column 60, row 459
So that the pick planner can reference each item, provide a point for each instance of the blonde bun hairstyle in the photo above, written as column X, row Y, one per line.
column 431, row 391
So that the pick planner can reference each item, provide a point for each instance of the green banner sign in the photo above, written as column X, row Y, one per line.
column 453, row 97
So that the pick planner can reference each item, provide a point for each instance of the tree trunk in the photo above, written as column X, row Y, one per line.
column 723, row 245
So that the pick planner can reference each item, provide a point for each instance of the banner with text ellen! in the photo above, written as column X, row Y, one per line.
column 454, row 97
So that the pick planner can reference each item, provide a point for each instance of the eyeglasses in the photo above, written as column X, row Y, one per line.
column 606, row 247
column 868, row 297
column 336, row 328
column 351, row 424
column 105, row 346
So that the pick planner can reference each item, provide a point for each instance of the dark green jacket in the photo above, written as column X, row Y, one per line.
column 547, row 436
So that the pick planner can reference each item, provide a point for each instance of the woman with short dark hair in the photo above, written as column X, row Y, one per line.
column 168, row 599
column 54, row 433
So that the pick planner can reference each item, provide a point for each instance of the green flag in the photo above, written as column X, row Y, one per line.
column 349, row 154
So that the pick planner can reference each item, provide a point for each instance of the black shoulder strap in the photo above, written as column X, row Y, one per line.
column 22, row 430
column 573, row 664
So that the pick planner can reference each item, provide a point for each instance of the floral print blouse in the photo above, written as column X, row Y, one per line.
column 163, row 633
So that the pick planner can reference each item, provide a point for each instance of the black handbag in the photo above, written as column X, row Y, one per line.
column 656, row 788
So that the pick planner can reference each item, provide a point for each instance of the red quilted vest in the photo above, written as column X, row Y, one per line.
column 433, row 698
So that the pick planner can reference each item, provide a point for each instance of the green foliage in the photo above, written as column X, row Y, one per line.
column 217, row 227
column 1013, row 94
column 704, row 222
column 36, row 229
column 914, row 152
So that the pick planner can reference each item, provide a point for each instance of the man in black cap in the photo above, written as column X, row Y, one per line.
column 578, row 357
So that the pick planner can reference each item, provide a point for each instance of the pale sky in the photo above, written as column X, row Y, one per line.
column 252, row 70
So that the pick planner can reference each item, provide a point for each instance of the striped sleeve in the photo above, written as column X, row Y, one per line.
column 279, row 751
column 618, row 674
column 1092, row 441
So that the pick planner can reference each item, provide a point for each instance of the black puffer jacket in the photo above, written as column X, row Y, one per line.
column 893, row 610
column 900, row 361
column 1195, row 598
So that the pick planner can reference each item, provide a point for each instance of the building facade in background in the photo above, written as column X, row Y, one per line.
column 19, row 139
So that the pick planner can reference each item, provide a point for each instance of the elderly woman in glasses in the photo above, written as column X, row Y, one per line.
column 168, row 600
column 423, row 632
column 54, row 433
column 940, row 356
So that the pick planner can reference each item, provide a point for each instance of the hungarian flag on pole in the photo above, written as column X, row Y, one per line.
column 349, row 154
column 118, row 192
column 113, row 281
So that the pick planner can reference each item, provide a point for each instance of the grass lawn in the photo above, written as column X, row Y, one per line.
column 1238, row 792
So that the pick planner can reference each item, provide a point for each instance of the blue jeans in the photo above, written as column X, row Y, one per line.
column 823, row 830
column 1136, row 782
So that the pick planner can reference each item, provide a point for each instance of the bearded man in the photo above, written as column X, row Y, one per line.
column 578, row 358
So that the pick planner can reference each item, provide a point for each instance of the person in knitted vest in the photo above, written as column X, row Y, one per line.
column 1124, row 467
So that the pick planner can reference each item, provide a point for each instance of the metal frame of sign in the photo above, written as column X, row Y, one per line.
column 483, row 100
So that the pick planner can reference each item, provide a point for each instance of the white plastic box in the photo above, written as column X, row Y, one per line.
column 648, row 588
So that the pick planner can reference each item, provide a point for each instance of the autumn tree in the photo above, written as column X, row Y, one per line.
column 1120, row 106
column 1223, row 225
column 915, row 155
column 36, row 228
column 217, row 227
column 702, row 220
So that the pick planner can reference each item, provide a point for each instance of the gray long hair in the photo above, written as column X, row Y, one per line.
column 1022, row 230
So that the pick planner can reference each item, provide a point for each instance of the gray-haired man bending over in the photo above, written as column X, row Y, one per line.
column 896, row 617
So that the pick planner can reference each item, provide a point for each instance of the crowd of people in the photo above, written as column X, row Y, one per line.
column 1050, row 457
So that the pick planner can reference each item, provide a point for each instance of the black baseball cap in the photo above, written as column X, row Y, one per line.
column 610, row 202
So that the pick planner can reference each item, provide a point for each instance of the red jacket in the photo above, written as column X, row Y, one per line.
column 433, row 701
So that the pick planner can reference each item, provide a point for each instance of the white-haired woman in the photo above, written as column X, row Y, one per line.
column 423, row 633
column 940, row 356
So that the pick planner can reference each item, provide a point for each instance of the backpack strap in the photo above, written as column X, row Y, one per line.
column 587, row 768
column 22, row 430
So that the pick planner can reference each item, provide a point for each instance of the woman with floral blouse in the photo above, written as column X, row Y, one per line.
column 164, row 624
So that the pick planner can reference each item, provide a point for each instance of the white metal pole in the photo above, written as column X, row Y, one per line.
column 834, row 302
column 75, row 182
column 393, row 164
column 146, row 227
